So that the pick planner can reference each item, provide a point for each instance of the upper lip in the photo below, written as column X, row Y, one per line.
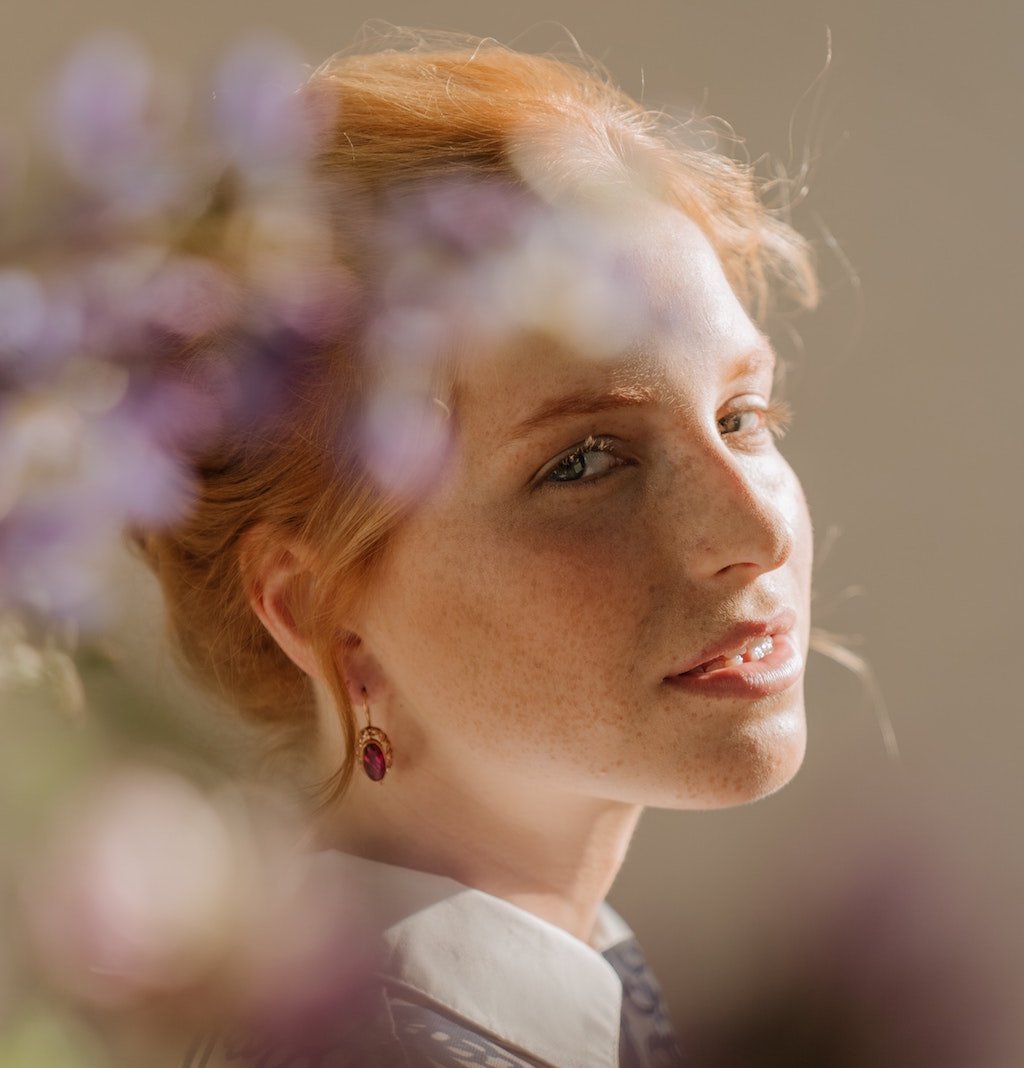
column 737, row 636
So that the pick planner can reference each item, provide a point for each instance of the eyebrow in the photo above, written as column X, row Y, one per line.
column 590, row 402
column 584, row 402
column 753, row 360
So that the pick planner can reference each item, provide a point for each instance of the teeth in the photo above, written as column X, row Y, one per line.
column 761, row 648
column 755, row 650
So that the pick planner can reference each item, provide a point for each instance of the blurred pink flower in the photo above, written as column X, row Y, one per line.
column 148, row 891
column 134, row 893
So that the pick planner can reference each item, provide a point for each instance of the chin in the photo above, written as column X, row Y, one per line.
column 762, row 760
column 753, row 761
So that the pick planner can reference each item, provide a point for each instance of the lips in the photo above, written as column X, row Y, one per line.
column 739, row 641
column 754, row 659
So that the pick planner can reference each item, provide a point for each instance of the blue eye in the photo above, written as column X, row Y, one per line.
column 585, row 463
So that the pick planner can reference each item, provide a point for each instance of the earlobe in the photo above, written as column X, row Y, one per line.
column 367, row 686
column 361, row 670
column 277, row 577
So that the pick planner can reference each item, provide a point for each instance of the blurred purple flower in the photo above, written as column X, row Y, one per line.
column 459, row 216
column 406, row 434
column 137, row 476
column 890, row 972
column 69, row 483
column 406, row 340
column 252, row 381
column 54, row 562
column 171, row 415
column 406, row 441
column 22, row 309
column 119, row 296
column 186, row 296
column 41, row 326
column 100, row 103
column 497, row 266
column 309, row 300
column 61, row 336
column 261, row 122
column 124, row 305
column 570, row 277
column 108, row 125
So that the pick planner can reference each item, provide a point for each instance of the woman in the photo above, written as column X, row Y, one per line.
column 519, row 555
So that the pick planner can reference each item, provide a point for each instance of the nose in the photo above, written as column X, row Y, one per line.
column 745, row 528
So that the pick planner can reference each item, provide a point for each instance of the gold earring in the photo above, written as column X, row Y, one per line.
column 373, row 747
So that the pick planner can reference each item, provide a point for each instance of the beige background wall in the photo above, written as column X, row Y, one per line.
column 908, row 438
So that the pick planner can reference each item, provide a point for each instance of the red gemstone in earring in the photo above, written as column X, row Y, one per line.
column 374, row 761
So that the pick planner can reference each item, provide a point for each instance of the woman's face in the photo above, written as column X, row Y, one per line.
column 607, row 527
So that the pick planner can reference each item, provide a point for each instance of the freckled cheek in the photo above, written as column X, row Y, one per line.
column 580, row 579
column 513, row 609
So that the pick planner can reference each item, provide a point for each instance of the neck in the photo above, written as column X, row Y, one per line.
column 551, row 853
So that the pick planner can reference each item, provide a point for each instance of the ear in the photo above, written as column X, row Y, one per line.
column 362, row 671
column 277, row 574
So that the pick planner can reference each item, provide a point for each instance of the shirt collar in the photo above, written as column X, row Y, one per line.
column 531, row 985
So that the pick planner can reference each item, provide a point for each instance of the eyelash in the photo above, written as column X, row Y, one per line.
column 775, row 420
column 592, row 444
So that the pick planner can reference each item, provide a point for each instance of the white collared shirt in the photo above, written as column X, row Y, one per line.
column 494, row 967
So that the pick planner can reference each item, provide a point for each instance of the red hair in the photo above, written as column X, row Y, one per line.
column 446, row 108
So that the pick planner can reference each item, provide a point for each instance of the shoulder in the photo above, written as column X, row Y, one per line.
column 398, row 1033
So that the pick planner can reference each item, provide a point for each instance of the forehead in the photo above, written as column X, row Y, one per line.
column 682, row 321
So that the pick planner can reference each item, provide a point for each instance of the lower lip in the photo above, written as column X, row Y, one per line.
column 775, row 673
